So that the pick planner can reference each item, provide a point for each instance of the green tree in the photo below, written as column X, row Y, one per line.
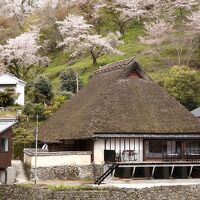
column 32, row 110
column 42, row 90
column 22, row 138
column 68, row 81
column 183, row 84
column 7, row 97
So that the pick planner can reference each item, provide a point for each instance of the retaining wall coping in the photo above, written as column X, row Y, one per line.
column 43, row 152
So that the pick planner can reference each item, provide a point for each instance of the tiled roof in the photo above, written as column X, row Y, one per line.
column 196, row 112
column 7, row 78
column 6, row 123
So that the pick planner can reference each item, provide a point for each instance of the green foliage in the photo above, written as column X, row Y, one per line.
column 57, row 102
column 32, row 110
column 181, row 83
column 77, row 187
column 7, row 97
column 49, row 35
column 22, row 138
column 42, row 90
column 68, row 81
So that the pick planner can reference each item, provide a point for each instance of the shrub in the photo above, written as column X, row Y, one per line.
column 42, row 90
column 7, row 97
column 181, row 83
column 32, row 110
column 68, row 81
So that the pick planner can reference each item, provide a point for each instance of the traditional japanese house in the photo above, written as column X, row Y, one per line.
column 127, row 121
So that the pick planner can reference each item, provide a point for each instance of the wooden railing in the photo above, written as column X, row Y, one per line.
column 135, row 156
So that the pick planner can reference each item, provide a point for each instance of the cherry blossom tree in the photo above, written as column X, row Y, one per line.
column 183, row 5
column 12, row 9
column 163, row 36
column 21, row 54
column 194, row 21
column 126, row 11
column 90, row 9
column 78, row 39
column 155, row 32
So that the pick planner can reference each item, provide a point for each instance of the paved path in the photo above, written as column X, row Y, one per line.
column 150, row 183
column 126, row 183
column 20, row 173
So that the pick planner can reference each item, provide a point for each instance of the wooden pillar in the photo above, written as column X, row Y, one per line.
column 183, row 148
column 190, row 173
column 120, row 145
column 152, row 173
column 139, row 148
column 133, row 172
column 171, row 174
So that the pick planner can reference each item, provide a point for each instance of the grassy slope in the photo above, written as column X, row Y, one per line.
column 131, row 48
column 7, row 114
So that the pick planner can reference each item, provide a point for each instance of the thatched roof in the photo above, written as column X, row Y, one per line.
column 119, row 98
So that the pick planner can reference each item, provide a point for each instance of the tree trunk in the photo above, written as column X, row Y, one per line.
column 94, row 59
column 121, row 28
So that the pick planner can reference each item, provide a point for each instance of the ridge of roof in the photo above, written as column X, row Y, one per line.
column 115, row 66
column 12, row 76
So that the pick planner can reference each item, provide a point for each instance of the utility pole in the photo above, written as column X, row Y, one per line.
column 77, row 83
column 36, row 148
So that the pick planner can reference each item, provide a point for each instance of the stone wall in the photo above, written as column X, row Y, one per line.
column 68, row 172
column 8, row 192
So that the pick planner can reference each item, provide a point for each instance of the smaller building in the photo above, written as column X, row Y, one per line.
column 6, row 141
column 6, row 149
column 196, row 112
column 9, row 81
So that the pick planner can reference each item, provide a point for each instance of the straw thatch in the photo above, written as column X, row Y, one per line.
column 114, row 102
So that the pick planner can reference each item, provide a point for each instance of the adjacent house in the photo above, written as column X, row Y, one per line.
column 6, row 171
column 122, row 123
column 196, row 112
column 9, row 81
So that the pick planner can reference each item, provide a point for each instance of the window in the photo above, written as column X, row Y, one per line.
column 193, row 147
column 4, row 144
column 155, row 148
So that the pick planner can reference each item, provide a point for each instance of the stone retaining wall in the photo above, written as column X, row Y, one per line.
column 161, row 193
column 68, row 172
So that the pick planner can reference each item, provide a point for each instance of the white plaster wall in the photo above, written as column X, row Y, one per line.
column 20, row 91
column 51, row 161
column 115, row 144
column 99, row 152
column 27, row 159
